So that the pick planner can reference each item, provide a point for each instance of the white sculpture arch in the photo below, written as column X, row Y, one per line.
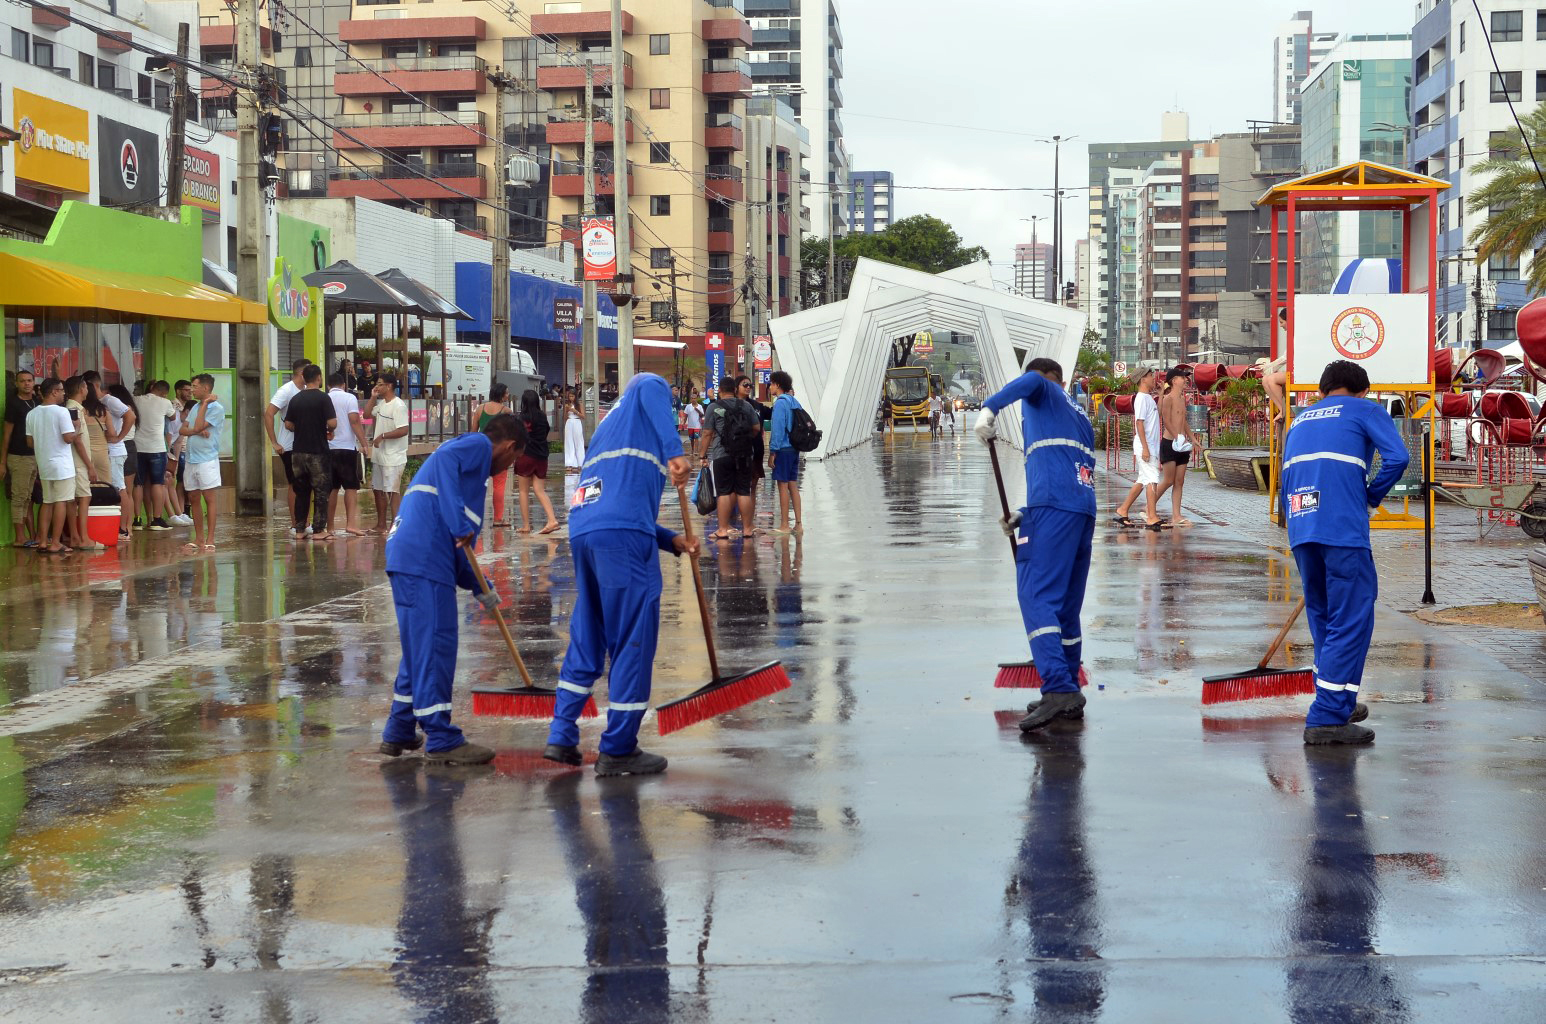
column 837, row 353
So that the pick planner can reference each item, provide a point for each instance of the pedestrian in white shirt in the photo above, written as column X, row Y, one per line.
column 344, row 448
column 389, row 448
column 120, row 427
column 280, row 439
column 1146, row 450
column 55, row 443
column 152, row 412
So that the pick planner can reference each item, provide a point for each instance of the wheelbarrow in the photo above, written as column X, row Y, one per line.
column 1522, row 500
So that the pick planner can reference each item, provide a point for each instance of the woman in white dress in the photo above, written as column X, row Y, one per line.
column 574, row 439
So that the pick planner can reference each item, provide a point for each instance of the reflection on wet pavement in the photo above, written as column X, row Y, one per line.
column 196, row 825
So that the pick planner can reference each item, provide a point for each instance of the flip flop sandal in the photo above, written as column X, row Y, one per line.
column 1155, row 526
column 550, row 528
column 1123, row 521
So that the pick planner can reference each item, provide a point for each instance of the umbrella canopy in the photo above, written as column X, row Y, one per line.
column 348, row 289
column 424, row 296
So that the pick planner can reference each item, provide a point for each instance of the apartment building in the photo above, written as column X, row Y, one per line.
column 1033, row 264
column 870, row 201
column 797, row 50
column 777, row 147
column 1459, row 108
column 1296, row 49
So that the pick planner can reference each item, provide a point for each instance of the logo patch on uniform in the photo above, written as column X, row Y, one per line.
column 587, row 493
column 1318, row 412
column 1086, row 476
column 1303, row 502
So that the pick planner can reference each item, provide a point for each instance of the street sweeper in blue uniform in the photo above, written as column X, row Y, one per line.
column 1053, row 533
column 1327, row 500
column 614, row 538
column 440, row 514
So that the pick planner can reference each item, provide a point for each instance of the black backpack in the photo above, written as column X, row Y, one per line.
column 803, row 435
column 738, row 427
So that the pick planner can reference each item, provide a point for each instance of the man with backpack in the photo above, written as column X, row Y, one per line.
column 730, row 447
column 789, row 419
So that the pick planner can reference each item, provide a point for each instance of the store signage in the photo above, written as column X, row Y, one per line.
column 598, row 247
column 1388, row 335
column 128, row 164
column 55, row 144
column 289, row 301
column 923, row 343
column 201, row 179
column 714, row 357
column 762, row 352
column 566, row 314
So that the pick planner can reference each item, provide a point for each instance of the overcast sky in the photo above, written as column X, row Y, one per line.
column 1101, row 70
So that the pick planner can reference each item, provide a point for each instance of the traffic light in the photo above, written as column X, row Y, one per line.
column 1070, row 292
column 271, row 139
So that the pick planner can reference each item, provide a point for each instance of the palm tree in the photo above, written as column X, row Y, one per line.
column 1513, row 200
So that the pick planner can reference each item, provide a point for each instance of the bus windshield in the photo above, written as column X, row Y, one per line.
column 909, row 390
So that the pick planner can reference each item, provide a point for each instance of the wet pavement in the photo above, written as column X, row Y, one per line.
column 196, row 825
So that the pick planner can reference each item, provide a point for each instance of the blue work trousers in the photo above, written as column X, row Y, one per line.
column 426, row 628
column 1052, row 566
column 617, row 617
column 1339, row 591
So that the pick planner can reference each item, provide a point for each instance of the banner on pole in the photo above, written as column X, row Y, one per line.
column 762, row 352
column 598, row 248
column 714, row 356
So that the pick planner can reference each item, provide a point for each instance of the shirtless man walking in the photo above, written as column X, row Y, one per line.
column 1177, row 444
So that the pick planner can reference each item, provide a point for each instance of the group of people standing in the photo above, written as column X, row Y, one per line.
column 155, row 458
column 1163, row 443
column 733, row 449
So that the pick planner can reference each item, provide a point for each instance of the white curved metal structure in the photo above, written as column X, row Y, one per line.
column 837, row 354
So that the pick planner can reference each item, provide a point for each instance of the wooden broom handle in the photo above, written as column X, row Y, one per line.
column 515, row 655
column 697, row 582
column 1278, row 640
column 1003, row 499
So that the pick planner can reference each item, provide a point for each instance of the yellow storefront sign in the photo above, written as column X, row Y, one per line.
column 55, row 144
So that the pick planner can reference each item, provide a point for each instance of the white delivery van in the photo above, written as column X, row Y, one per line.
column 468, row 369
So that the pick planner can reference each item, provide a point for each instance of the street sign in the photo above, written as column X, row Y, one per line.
column 598, row 248
column 566, row 314
column 1119, row 368
column 714, row 357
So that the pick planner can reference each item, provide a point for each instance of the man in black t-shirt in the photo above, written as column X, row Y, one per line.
column 310, row 416
column 17, row 463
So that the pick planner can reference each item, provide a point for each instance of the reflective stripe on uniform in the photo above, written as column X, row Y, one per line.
column 1337, row 687
column 1351, row 460
column 477, row 520
column 629, row 707
column 1043, row 631
column 637, row 453
column 1064, row 441
column 1069, row 641
column 426, row 488
column 406, row 699
column 574, row 687
column 432, row 709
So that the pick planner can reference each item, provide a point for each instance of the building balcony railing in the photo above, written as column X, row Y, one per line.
column 765, row 69
column 413, row 118
column 723, row 131
column 731, row 5
column 475, row 225
column 394, row 171
column 462, row 73
column 566, row 70
column 724, row 181
column 416, row 128
column 578, row 23
column 567, row 127
column 568, row 179
column 455, row 62
column 735, row 31
column 726, row 76
column 775, row 37
column 392, row 181
column 382, row 30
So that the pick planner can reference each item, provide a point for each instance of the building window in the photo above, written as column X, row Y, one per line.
column 1500, row 324
column 1462, row 37
column 660, row 99
column 660, row 44
column 1495, row 150
column 1462, row 95
column 1500, row 268
column 42, row 53
column 660, row 258
column 21, row 46
column 107, row 75
column 1505, row 87
column 88, row 69
column 1540, row 85
column 660, row 312
column 660, row 206
column 660, row 152
column 1508, row 26
column 1540, row 24
column 303, row 56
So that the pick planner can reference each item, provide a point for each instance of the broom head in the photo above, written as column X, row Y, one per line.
column 1259, row 682
column 522, row 702
column 721, row 696
column 1022, row 675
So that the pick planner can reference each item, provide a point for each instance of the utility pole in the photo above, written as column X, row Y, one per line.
column 756, row 238
column 775, row 261
column 499, row 278
column 676, row 323
column 177, row 136
column 590, row 358
column 254, row 492
column 1477, row 339
column 1057, row 215
column 624, row 277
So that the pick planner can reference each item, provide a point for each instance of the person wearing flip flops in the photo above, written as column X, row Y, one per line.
column 202, row 428
column 614, row 536
column 1146, row 445
column 1176, row 445
column 1053, row 534
column 1327, row 501
column 441, row 513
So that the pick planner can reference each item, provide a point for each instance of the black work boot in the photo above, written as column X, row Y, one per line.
column 467, row 753
column 562, row 754
column 1030, row 709
column 1360, row 712
column 1051, row 706
column 399, row 749
column 640, row 762
column 1320, row 735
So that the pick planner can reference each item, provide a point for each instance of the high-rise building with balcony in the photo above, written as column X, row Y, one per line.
column 797, row 50
column 870, row 201
column 1296, row 49
column 1032, row 262
column 1459, row 110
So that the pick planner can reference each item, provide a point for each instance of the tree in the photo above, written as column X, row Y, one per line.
column 919, row 243
column 1093, row 360
column 1513, row 200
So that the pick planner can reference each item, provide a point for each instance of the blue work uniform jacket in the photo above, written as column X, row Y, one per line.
column 1327, row 493
column 444, row 502
column 625, row 466
column 1059, row 445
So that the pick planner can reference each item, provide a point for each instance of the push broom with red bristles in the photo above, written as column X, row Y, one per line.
column 1262, row 681
column 1017, row 675
column 721, row 695
column 527, row 701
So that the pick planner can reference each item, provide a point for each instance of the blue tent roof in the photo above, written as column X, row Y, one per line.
column 531, row 306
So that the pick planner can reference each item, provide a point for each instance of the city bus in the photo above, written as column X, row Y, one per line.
column 908, row 389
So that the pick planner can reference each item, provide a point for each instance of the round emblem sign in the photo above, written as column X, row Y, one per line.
column 29, row 134
column 129, row 165
column 1357, row 332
